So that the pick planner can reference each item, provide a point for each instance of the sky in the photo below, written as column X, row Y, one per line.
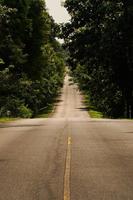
column 58, row 12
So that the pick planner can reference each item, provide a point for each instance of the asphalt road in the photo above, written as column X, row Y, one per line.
column 68, row 156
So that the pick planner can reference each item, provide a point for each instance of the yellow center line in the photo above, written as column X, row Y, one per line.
column 69, row 140
column 67, row 171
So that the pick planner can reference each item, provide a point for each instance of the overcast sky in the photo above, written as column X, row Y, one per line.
column 58, row 12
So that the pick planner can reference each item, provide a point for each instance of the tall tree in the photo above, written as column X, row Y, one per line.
column 32, row 65
column 100, row 46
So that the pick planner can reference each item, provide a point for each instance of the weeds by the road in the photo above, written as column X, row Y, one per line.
column 91, row 109
column 95, row 114
column 7, row 119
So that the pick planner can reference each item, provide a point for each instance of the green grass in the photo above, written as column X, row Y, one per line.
column 95, row 114
column 91, row 109
column 6, row 119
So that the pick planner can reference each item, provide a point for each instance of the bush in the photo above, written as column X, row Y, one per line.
column 16, row 108
column 25, row 112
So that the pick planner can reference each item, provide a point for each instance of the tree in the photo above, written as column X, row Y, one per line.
column 31, row 60
column 100, row 46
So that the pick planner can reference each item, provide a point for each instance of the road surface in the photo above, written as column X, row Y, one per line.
column 68, row 156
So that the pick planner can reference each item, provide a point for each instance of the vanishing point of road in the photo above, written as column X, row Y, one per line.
column 68, row 156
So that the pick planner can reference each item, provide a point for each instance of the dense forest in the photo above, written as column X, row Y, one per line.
column 31, row 59
column 99, row 38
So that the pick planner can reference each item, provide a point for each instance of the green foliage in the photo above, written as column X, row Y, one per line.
column 31, row 60
column 7, row 119
column 99, row 39
column 25, row 112
column 11, row 106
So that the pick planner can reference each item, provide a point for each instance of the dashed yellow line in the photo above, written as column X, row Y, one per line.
column 69, row 140
column 67, row 171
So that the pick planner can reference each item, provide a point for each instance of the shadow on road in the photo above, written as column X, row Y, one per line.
column 20, row 126
column 83, row 109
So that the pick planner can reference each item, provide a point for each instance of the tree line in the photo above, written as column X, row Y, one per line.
column 31, row 59
column 99, row 38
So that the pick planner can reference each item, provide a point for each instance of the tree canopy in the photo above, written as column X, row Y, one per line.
column 99, row 39
column 31, row 59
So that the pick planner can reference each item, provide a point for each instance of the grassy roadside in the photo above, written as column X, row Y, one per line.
column 91, row 109
column 7, row 119
column 45, row 113
column 95, row 114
